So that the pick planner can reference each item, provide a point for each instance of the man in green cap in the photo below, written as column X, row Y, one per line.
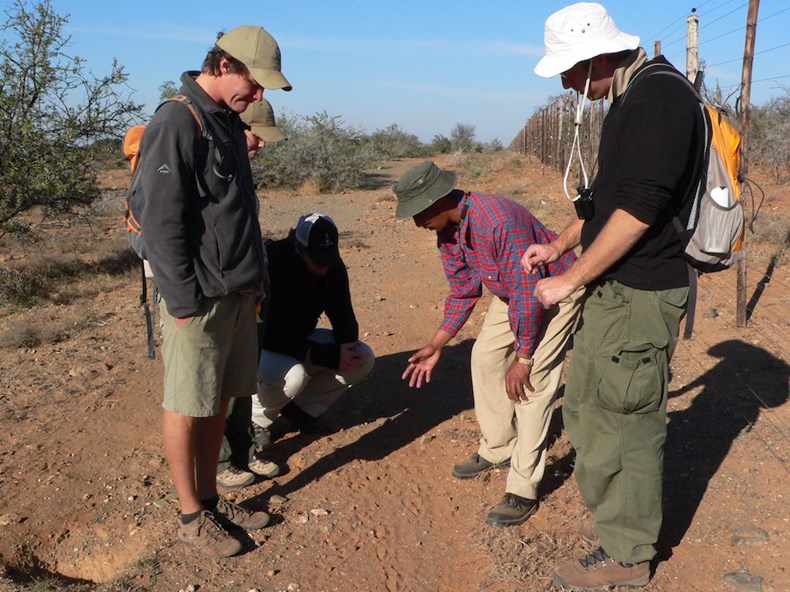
column 203, row 242
column 518, row 356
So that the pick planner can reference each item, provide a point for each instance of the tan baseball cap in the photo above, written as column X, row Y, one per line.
column 260, row 117
column 257, row 50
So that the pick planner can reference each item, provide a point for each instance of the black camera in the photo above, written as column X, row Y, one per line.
column 584, row 203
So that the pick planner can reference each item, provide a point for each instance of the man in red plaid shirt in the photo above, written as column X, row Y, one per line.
column 518, row 356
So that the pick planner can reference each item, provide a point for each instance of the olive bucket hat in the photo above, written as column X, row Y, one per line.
column 420, row 187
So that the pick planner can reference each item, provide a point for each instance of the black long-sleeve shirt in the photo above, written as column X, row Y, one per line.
column 649, row 154
column 298, row 298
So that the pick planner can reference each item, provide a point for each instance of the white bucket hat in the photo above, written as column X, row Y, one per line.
column 579, row 32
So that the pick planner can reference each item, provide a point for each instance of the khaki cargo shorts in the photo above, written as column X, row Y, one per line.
column 213, row 354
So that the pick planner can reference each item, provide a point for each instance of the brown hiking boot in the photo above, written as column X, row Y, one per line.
column 208, row 537
column 588, row 534
column 598, row 571
column 233, row 513
column 474, row 466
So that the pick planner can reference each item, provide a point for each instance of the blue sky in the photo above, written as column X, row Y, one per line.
column 424, row 65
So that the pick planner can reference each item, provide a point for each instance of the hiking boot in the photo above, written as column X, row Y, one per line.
column 262, row 436
column 473, row 466
column 208, row 537
column 598, row 571
column 228, row 512
column 234, row 477
column 512, row 510
column 588, row 534
column 301, row 420
column 263, row 468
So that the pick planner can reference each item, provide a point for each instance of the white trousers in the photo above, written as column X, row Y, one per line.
column 523, row 441
column 282, row 379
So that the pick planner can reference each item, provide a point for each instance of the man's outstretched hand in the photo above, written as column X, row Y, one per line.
column 421, row 364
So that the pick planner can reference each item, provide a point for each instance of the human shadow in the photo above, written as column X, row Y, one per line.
column 746, row 382
column 408, row 413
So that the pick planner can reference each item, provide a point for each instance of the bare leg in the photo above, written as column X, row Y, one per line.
column 207, row 454
column 190, row 444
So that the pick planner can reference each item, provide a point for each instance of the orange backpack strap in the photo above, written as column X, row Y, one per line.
column 187, row 102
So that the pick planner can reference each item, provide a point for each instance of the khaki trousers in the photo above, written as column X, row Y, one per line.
column 523, row 441
column 282, row 379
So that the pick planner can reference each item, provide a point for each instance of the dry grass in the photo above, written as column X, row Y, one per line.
column 522, row 563
column 770, row 239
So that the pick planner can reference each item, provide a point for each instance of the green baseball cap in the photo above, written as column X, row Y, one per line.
column 257, row 50
column 420, row 187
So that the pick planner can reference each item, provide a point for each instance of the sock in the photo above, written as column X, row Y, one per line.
column 187, row 518
column 210, row 504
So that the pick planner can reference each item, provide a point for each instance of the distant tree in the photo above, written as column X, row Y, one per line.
column 167, row 89
column 393, row 142
column 493, row 146
column 55, row 118
column 441, row 144
column 769, row 136
column 462, row 137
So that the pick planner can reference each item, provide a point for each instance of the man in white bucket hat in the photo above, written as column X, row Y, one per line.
column 614, row 406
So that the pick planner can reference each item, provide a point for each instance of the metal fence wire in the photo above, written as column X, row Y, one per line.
column 548, row 134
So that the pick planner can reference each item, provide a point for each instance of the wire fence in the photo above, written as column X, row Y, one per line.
column 548, row 134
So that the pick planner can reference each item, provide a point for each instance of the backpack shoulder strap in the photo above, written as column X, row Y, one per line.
column 196, row 112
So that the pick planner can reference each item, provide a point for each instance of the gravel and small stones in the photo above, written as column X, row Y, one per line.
column 743, row 582
column 748, row 535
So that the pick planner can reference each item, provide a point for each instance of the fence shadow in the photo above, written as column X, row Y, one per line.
column 760, row 287
column 700, row 437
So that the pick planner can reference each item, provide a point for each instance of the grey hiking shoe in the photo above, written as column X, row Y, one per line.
column 207, row 536
column 234, row 477
column 228, row 512
column 512, row 510
column 473, row 466
column 598, row 571
column 263, row 468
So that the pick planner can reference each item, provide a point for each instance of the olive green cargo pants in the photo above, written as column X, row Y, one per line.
column 614, row 411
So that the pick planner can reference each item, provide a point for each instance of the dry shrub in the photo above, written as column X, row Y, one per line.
column 770, row 239
column 44, row 326
column 61, row 280
column 310, row 187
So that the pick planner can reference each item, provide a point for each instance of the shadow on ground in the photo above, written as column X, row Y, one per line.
column 745, row 383
column 408, row 413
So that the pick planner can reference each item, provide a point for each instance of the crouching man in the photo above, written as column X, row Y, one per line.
column 304, row 369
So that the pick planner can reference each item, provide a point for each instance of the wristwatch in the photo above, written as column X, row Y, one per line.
column 525, row 361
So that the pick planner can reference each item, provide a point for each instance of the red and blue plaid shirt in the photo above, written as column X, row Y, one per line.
column 485, row 250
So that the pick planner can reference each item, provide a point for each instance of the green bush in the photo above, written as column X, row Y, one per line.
column 393, row 142
column 55, row 118
column 320, row 148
